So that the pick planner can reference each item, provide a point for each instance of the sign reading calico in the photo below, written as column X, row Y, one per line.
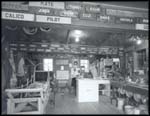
column 53, row 19
column 17, row 16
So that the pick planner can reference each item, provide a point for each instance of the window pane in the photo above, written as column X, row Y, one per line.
column 48, row 64
column 85, row 63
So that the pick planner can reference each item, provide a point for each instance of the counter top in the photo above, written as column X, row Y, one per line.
column 95, row 80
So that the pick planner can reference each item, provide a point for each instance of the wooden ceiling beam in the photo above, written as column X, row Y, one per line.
column 82, row 25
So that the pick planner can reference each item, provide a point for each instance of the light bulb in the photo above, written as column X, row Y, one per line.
column 77, row 39
column 139, row 41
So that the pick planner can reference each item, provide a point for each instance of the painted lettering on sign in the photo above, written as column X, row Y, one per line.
column 124, row 20
column 94, row 9
column 88, row 16
column 145, row 21
column 66, row 13
column 40, row 10
column 14, row 6
column 141, row 27
column 73, row 6
column 103, row 18
column 17, row 16
column 53, row 19
column 125, row 13
column 56, row 5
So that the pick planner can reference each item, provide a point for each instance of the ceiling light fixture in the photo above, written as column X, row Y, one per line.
column 77, row 32
column 139, row 42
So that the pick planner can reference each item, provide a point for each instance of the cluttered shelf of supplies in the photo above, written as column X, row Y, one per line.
column 130, row 94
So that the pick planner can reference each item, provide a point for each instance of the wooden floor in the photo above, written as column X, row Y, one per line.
column 68, row 104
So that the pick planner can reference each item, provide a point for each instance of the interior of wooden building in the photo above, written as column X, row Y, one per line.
column 74, row 57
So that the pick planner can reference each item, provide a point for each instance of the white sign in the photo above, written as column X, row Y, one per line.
column 53, row 19
column 141, row 27
column 57, row 5
column 125, row 13
column 17, row 16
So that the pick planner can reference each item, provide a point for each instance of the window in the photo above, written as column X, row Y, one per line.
column 85, row 63
column 48, row 64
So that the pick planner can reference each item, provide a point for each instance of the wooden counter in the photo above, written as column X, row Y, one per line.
column 88, row 89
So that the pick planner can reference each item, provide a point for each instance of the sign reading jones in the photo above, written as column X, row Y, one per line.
column 53, row 19
column 41, row 10
column 57, row 5
column 17, row 16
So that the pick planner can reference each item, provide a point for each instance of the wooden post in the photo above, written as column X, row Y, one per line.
column 40, row 106
column 10, row 106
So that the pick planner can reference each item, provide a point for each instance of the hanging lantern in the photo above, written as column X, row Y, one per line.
column 47, row 29
column 30, row 30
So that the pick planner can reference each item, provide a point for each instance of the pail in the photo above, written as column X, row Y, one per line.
column 120, row 103
column 129, row 109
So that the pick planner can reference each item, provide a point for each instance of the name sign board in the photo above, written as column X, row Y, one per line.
column 53, row 19
column 41, row 10
column 66, row 13
column 145, row 21
column 141, row 20
column 141, row 27
column 17, row 16
column 103, row 18
column 125, row 13
column 73, row 6
column 88, row 16
column 124, row 20
column 55, row 5
column 14, row 6
column 93, row 9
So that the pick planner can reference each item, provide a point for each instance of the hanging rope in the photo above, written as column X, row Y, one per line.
column 11, row 28
column 47, row 29
column 30, row 30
